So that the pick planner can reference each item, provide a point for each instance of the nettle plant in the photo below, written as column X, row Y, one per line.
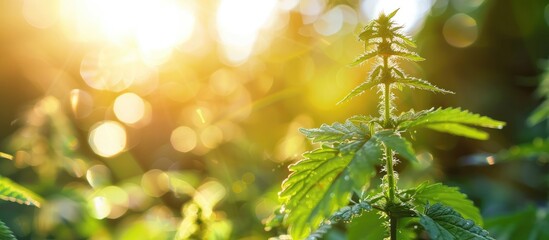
column 332, row 183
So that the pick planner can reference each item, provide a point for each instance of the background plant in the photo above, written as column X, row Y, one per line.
column 242, row 105
column 320, row 187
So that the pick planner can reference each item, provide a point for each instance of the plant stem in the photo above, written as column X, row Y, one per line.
column 387, row 99
column 393, row 228
column 389, row 152
column 390, row 174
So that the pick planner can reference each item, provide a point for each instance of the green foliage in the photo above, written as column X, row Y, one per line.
column 395, row 142
column 542, row 111
column 319, row 188
column 336, row 132
column 453, row 121
column 443, row 223
column 5, row 232
column 346, row 214
column 537, row 149
column 417, row 83
column 13, row 192
column 323, row 182
column 449, row 196
column 528, row 224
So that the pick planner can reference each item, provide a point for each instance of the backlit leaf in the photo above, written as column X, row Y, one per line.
column 363, row 58
column 13, row 192
column 454, row 121
column 337, row 132
column 359, row 90
column 322, row 183
column 420, row 84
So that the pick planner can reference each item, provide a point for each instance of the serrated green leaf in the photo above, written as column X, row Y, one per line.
column 363, row 58
column 459, row 130
column 13, row 192
column 368, row 33
column 345, row 214
column 397, row 144
column 449, row 196
column 412, row 82
column 405, row 39
column 359, row 90
column 337, row 132
column 443, row 223
column 454, row 121
column 411, row 115
column 323, row 182
column 393, row 13
column 408, row 56
column 5, row 232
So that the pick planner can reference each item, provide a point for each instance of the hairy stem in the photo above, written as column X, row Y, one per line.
column 388, row 152
column 390, row 174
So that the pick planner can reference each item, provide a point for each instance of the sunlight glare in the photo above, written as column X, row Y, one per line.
column 239, row 23
column 100, row 207
column 156, row 26
column 107, row 138
column 411, row 13
column 129, row 108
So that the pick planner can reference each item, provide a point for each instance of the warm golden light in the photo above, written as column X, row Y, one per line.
column 155, row 26
column 411, row 13
column 183, row 139
column 238, row 24
column 100, row 207
column 107, row 138
column 129, row 108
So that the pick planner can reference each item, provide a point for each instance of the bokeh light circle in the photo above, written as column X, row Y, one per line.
column 183, row 139
column 107, row 138
column 129, row 108
column 460, row 30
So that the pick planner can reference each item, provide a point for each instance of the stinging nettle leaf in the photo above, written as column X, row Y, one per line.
column 345, row 214
column 363, row 58
column 397, row 144
column 420, row 84
column 449, row 196
column 337, row 132
column 454, row 121
column 359, row 90
column 13, row 192
column 322, row 183
column 5, row 232
column 459, row 130
column 443, row 223
column 405, row 39
column 408, row 56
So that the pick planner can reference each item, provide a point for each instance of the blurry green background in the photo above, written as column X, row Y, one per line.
column 150, row 119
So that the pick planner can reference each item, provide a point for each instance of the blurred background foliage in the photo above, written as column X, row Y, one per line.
column 177, row 118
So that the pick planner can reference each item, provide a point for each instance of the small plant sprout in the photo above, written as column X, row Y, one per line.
column 332, row 183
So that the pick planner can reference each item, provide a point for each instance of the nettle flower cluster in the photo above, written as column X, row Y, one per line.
column 332, row 183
